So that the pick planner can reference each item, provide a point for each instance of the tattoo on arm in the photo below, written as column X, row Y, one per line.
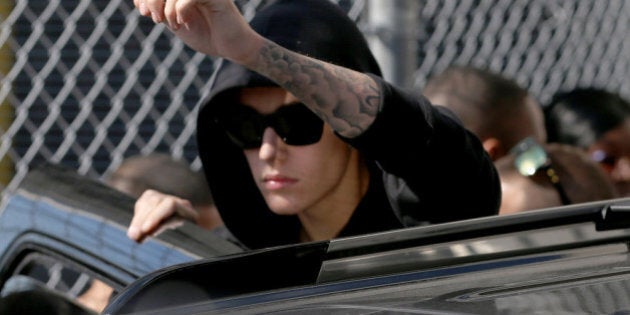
column 347, row 100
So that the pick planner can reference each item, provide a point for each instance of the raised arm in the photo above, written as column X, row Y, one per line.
column 347, row 100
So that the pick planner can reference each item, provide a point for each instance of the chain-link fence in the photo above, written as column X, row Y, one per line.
column 87, row 83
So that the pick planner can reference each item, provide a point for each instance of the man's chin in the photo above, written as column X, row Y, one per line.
column 282, row 206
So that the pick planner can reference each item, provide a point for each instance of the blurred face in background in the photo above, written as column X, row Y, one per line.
column 612, row 151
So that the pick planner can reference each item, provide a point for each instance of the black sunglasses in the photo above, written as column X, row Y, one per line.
column 531, row 159
column 295, row 124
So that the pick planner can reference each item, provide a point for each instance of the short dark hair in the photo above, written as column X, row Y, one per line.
column 161, row 172
column 581, row 116
column 488, row 103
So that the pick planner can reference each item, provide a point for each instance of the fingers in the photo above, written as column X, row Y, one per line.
column 172, row 223
column 142, row 7
column 142, row 209
column 151, row 8
column 170, row 14
column 153, row 210
column 169, row 11
column 182, row 9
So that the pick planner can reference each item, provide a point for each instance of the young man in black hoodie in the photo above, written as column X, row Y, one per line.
column 300, row 138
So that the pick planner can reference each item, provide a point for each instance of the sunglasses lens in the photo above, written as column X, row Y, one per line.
column 243, row 126
column 297, row 125
column 530, row 157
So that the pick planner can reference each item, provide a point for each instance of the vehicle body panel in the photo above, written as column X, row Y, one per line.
column 564, row 260
column 70, row 224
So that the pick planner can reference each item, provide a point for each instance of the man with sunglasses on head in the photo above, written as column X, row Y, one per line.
column 300, row 138
column 536, row 176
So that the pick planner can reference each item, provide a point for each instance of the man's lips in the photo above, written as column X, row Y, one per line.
column 273, row 182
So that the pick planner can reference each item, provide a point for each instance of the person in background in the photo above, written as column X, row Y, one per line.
column 151, row 173
column 561, row 175
column 300, row 138
column 159, row 172
column 510, row 123
column 598, row 121
column 493, row 107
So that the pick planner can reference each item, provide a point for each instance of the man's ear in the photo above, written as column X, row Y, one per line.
column 494, row 148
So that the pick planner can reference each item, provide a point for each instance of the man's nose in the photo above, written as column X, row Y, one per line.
column 272, row 147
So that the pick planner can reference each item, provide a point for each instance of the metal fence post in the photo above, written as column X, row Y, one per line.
column 6, row 110
column 392, row 28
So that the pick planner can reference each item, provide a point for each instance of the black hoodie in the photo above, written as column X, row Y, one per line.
column 424, row 167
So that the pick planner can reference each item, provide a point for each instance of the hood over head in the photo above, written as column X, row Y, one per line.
column 317, row 28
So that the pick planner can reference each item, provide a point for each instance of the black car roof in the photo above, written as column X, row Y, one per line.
column 65, row 186
column 77, row 219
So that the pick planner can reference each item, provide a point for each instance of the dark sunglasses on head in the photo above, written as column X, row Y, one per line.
column 531, row 159
column 294, row 123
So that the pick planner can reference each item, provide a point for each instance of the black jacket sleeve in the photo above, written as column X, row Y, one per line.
column 434, row 169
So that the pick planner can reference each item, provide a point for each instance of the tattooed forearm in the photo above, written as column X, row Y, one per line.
column 346, row 99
